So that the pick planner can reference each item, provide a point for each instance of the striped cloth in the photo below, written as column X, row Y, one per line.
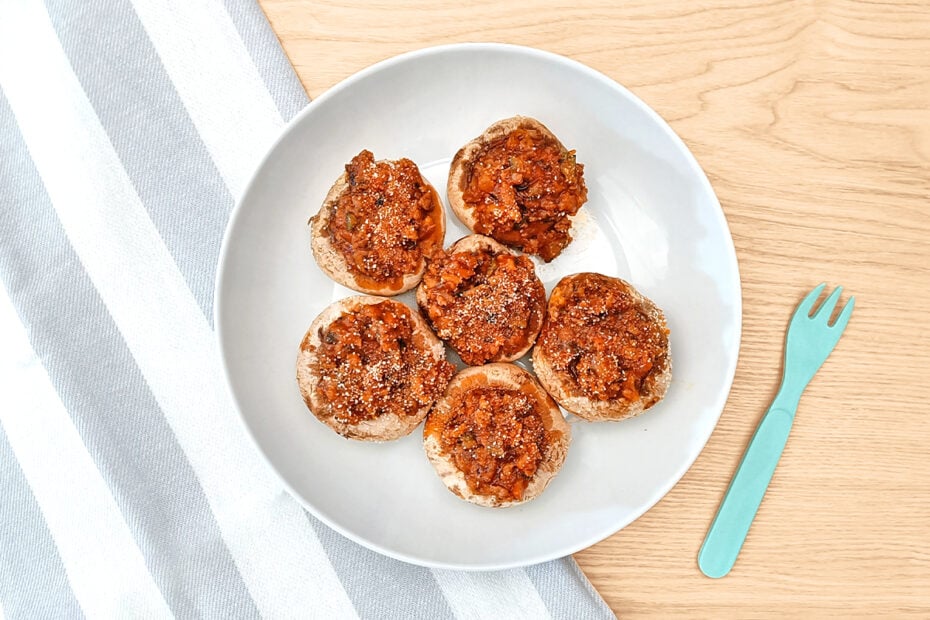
column 127, row 487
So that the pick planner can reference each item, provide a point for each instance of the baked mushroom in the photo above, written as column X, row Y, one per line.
column 370, row 368
column 603, row 352
column 496, row 438
column 483, row 300
column 379, row 223
column 517, row 184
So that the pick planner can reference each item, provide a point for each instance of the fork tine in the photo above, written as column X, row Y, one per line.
column 826, row 308
column 843, row 318
column 804, row 308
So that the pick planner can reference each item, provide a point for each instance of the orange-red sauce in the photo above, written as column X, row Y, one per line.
column 496, row 437
column 385, row 222
column 602, row 339
column 523, row 188
column 371, row 363
column 485, row 304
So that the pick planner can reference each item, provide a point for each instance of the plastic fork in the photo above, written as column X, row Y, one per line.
column 810, row 340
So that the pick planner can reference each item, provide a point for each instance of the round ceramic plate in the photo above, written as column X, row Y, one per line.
column 651, row 218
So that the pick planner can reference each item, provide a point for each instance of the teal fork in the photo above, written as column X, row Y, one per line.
column 810, row 340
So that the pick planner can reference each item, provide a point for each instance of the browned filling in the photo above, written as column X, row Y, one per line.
column 523, row 188
column 385, row 221
column 597, row 334
column 483, row 303
column 371, row 363
column 495, row 437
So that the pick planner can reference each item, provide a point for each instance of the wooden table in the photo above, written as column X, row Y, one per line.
column 812, row 121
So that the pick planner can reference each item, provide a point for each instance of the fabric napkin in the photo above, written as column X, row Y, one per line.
column 127, row 487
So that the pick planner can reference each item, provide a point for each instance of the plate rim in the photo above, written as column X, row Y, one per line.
column 218, row 324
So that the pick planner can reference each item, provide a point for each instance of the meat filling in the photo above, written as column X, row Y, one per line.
column 496, row 437
column 485, row 304
column 523, row 188
column 385, row 222
column 597, row 334
column 371, row 363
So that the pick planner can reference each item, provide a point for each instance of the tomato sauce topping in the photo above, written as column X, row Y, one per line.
column 523, row 188
column 496, row 437
column 371, row 363
column 602, row 338
column 385, row 222
column 485, row 304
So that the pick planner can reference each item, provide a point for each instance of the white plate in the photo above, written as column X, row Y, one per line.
column 651, row 218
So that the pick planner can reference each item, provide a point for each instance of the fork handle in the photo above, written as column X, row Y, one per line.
column 739, row 506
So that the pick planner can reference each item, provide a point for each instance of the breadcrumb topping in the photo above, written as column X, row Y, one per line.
column 371, row 362
column 496, row 437
column 487, row 305
column 385, row 222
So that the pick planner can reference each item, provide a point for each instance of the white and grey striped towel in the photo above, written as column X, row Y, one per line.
column 127, row 488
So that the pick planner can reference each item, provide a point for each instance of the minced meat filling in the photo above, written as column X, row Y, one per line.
column 496, row 438
column 597, row 334
column 523, row 188
column 371, row 363
column 483, row 303
column 385, row 221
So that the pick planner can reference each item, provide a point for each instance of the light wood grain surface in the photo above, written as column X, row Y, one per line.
column 812, row 121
